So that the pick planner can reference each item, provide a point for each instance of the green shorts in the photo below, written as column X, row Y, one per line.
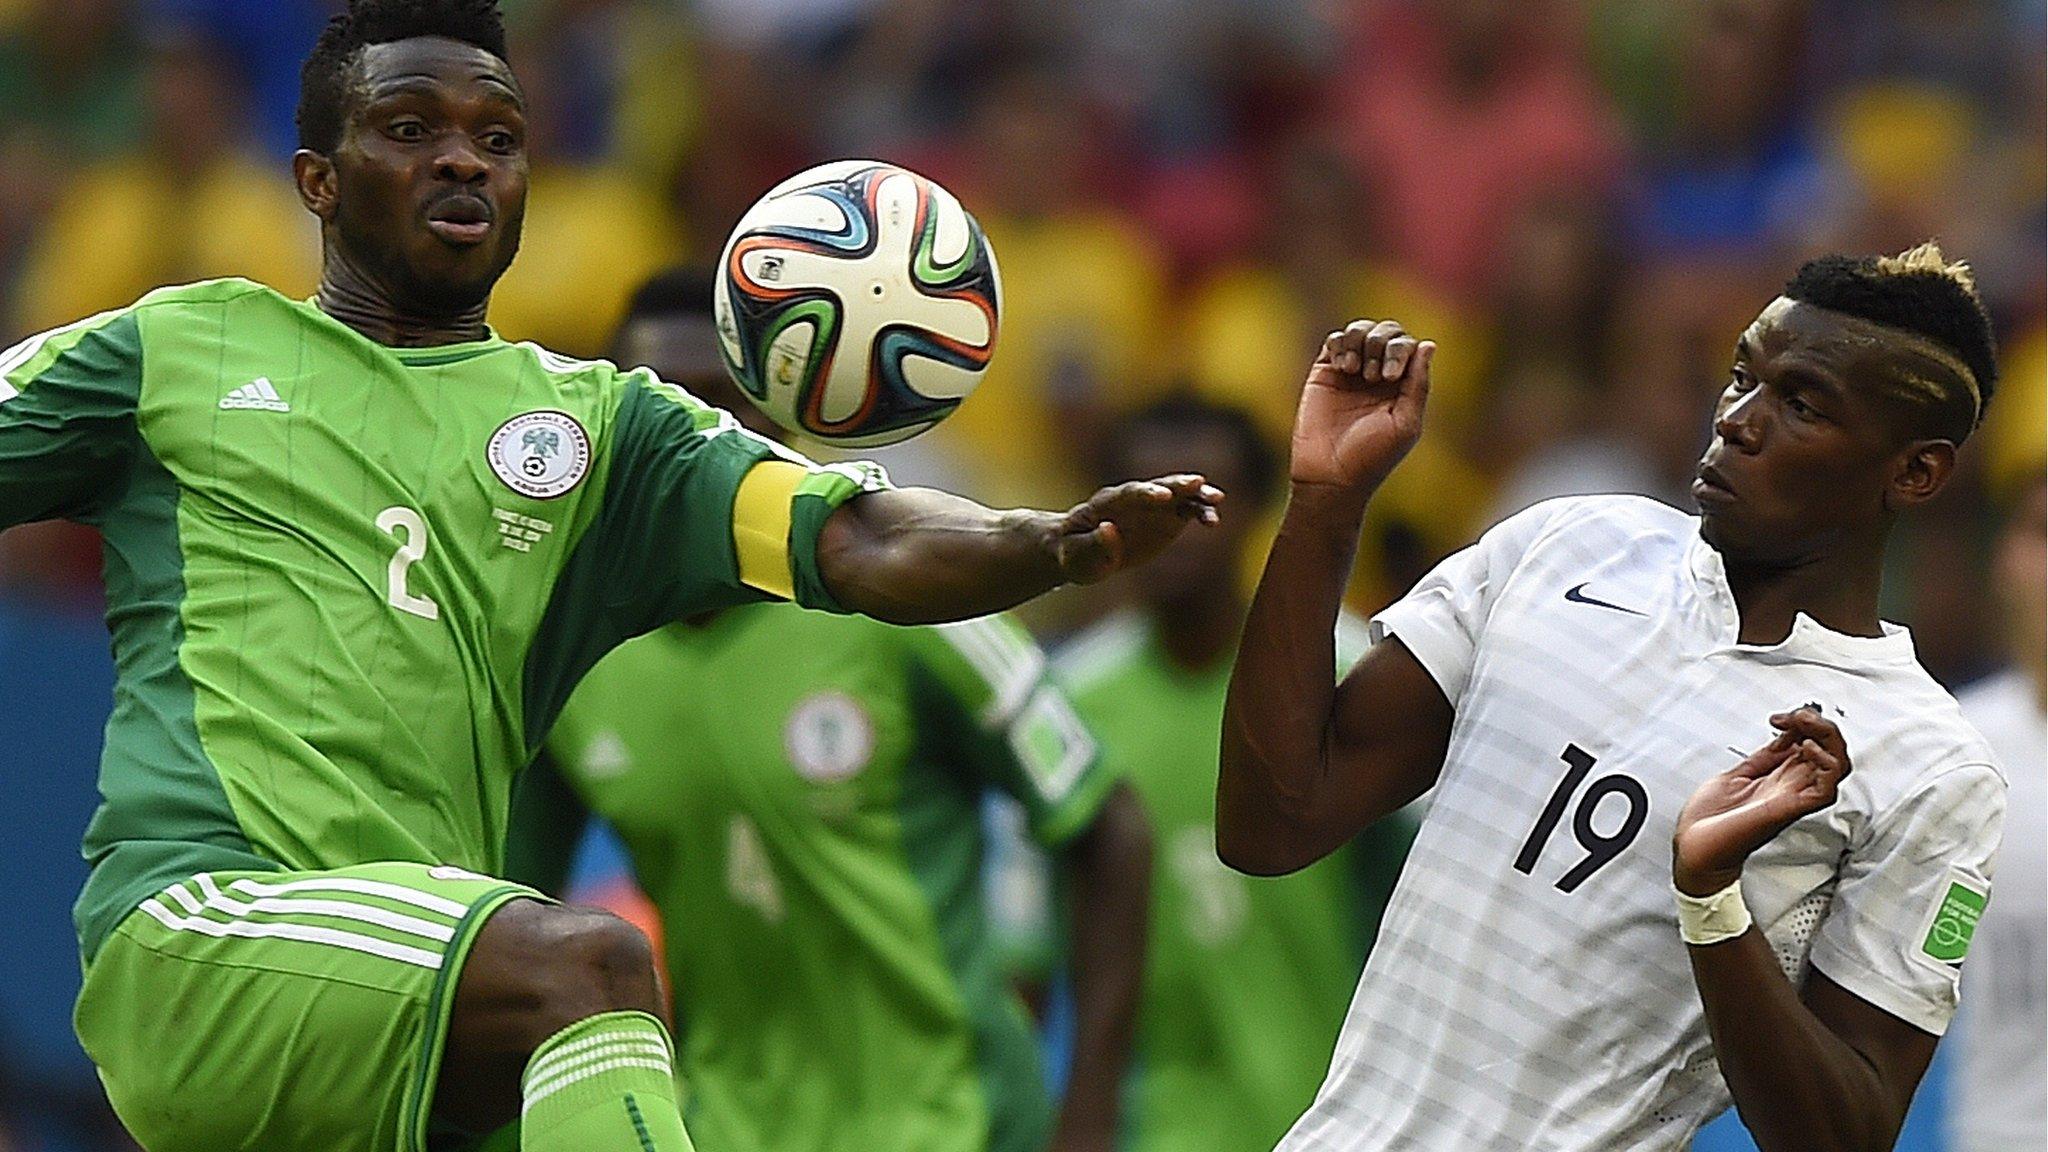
column 284, row 1011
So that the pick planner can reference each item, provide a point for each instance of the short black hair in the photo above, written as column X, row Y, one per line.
column 1921, row 292
column 684, row 291
column 323, row 82
column 1183, row 410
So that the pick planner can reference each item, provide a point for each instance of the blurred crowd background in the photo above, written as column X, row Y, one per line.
column 1583, row 201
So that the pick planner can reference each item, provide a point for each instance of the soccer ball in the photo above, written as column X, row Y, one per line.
column 857, row 303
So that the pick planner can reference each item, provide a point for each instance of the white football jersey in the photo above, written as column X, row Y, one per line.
column 1529, row 990
column 1998, row 1096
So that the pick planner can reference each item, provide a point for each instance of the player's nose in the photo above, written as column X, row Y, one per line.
column 1740, row 422
column 460, row 162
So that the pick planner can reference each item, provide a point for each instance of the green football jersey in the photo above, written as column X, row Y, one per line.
column 800, row 795
column 349, row 585
column 1246, row 978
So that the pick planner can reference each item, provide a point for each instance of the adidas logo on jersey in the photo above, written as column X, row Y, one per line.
column 257, row 394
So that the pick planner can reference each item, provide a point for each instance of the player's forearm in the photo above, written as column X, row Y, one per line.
column 1110, row 869
column 1271, row 795
column 920, row 556
column 1798, row 1086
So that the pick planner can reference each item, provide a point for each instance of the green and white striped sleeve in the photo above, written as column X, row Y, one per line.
column 1026, row 737
column 67, row 417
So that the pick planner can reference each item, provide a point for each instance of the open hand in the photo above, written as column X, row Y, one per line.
column 1125, row 525
column 1738, row 811
column 1361, row 410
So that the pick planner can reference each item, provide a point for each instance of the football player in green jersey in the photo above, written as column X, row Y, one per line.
column 1245, row 978
column 358, row 551
column 803, row 805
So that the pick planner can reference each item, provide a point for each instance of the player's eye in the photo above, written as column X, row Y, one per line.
column 1798, row 406
column 501, row 141
column 1739, row 380
column 408, row 131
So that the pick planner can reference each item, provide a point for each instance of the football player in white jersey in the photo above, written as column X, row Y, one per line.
column 1648, row 881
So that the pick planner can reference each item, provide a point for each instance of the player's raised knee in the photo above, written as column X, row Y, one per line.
column 558, row 965
column 612, row 952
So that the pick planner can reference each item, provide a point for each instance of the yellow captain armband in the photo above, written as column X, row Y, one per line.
column 760, row 525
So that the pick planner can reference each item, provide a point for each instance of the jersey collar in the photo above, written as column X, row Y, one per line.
column 427, row 357
column 446, row 353
column 1810, row 641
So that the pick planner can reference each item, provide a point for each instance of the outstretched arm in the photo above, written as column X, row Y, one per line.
column 1305, row 765
column 1818, row 1069
column 919, row 556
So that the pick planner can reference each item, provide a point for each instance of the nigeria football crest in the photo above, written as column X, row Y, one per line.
column 540, row 454
column 829, row 737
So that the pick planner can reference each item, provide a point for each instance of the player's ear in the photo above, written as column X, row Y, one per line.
column 314, row 175
column 1922, row 471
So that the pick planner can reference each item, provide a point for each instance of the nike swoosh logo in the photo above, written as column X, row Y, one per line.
column 1578, row 595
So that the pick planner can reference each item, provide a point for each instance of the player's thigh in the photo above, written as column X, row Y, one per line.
column 285, row 1010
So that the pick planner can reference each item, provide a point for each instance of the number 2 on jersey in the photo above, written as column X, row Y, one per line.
column 1600, row 850
column 412, row 548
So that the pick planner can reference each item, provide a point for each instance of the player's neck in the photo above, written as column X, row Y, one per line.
column 1199, row 631
column 353, row 296
column 1839, row 592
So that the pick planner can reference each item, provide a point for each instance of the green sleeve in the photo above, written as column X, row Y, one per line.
column 665, row 532
column 661, row 546
column 1019, row 732
column 825, row 489
column 67, row 419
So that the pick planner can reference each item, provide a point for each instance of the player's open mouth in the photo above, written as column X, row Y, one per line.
column 461, row 220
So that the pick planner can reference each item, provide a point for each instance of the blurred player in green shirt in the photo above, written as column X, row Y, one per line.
column 358, row 551
column 1246, row 978
column 802, row 804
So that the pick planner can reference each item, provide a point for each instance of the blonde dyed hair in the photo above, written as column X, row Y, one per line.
column 1925, row 258
column 1922, row 292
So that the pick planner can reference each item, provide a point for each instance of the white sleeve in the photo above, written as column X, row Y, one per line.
column 1443, row 616
column 1355, row 637
column 1910, row 895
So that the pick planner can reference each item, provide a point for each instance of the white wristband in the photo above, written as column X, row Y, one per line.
column 1712, row 919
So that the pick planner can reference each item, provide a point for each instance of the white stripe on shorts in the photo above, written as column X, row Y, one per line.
column 398, row 892
column 305, row 933
column 339, row 909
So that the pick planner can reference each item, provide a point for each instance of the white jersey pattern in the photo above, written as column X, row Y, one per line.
column 1999, row 1096
column 1529, row 990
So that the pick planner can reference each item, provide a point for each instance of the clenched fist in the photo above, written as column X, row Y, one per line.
column 1361, row 410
